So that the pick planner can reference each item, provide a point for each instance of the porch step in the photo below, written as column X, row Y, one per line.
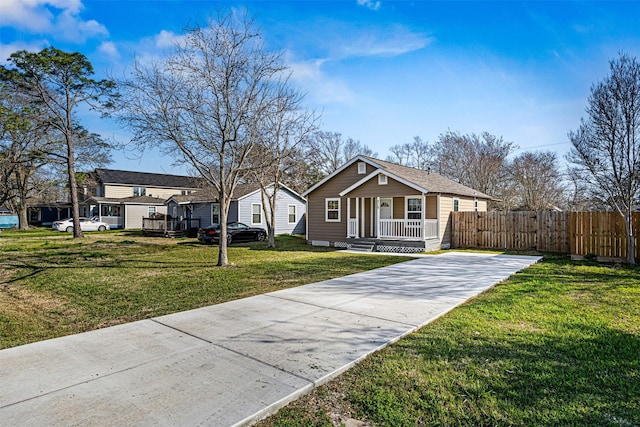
column 363, row 246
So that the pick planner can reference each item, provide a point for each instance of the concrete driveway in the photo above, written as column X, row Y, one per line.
column 234, row 363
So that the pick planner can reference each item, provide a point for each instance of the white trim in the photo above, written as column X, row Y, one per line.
column 383, row 179
column 453, row 204
column 211, row 212
column 406, row 206
column 363, row 217
column 326, row 211
column 260, row 212
column 295, row 214
column 362, row 168
column 340, row 169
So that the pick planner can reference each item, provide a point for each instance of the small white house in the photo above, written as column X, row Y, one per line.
column 246, row 207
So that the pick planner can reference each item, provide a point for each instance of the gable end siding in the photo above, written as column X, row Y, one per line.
column 319, row 229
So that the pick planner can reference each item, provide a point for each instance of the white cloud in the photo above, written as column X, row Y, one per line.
column 57, row 18
column 395, row 41
column 109, row 49
column 166, row 39
column 373, row 5
column 320, row 88
column 8, row 49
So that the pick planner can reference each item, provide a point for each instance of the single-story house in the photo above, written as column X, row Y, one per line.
column 384, row 206
column 246, row 207
column 45, row 214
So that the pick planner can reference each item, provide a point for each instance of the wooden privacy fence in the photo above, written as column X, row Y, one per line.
column 576, row 233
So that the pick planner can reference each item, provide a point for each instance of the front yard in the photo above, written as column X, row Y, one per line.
column 52, row 285
column 556, row 345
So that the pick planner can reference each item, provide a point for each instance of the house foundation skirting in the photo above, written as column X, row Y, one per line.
column 385, row 245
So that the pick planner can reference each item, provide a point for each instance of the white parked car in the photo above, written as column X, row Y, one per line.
column 86, row 224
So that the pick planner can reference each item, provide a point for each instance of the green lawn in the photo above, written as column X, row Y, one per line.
column 556, row 345
column 52, row 285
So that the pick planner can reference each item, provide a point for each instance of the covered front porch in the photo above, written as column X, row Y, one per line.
column 410, row 218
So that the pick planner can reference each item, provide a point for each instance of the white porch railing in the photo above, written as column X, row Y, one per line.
column 408, row 228
column 352, row 227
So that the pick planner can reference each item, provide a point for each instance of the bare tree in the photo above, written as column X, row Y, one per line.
column 606, row 147
column 537, row 181
column 327, row 151
column 478, row 161
column 283, row 129
column 202, row 103
column 417, row 154
column 59, row 83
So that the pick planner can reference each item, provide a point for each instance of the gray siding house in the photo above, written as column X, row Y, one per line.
column 245, row 207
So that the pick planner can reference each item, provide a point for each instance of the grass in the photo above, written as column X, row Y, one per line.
column 555, row 345
column 52, row 285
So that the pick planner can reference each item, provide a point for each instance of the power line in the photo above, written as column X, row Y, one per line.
column 545, row 145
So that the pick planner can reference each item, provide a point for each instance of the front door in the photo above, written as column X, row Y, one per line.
column 386, row 208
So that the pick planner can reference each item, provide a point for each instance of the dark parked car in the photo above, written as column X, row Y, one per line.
column 236, row 232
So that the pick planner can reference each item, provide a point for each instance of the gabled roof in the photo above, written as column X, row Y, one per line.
column 146, row 179
column 208, row 195
column 419, row 179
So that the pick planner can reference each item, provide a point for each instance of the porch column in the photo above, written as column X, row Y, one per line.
column 348, row 215
column 363, row 217
column 423, row 215
column 357, row 217
column 377, row 217
column 371, row 226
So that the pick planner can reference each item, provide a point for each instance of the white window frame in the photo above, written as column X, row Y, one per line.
column 406, row 207
column 259, row 205
column 142, row 191
column 213, row 205
column 295, row 214
column 383, row 179
column 362, row 168
column 455, row 205
column 327, row 210
column 151, row 210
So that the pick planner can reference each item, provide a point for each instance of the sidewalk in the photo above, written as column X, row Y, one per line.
column 234, row 363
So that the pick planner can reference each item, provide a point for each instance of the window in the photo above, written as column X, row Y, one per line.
column 475, row 205
column 332, row 210
column 256, row 213
column 215, row 213
column 139, row 191
column 110, row 210
column 456, row 205
column 382, row 179
column 292, row 214
column 152, row 210
column 362, row 168
column 414, row 208
column 185, row 192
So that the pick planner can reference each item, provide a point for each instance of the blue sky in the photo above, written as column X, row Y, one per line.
column 379, row 71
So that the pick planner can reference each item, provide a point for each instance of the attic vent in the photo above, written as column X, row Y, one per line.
column 362, row 168
column 382, row 179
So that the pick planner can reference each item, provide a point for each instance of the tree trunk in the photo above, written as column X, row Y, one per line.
column 631, row 246
column 223, row 258
column 271, row 217
column 23, row 217
column 71, row 170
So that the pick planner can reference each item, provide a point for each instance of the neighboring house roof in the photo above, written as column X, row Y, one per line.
column 209, row 195
column 421, row 180
column 145, row 179
column 135, row 200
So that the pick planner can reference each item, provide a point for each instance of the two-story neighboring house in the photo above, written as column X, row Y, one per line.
column 122, row 198
column 119, row 198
